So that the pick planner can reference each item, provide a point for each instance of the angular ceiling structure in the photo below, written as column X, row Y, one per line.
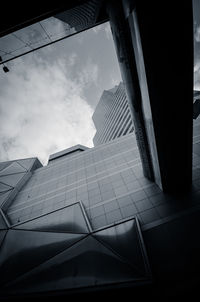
column 41, row 262
column 13, row 175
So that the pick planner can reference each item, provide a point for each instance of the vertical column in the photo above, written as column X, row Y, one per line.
column 162, row 39
column 122, row 38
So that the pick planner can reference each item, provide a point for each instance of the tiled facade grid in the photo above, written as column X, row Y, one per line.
column 96, row 177
column 109, row 181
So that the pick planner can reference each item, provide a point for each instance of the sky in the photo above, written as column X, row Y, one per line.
column 48, row 97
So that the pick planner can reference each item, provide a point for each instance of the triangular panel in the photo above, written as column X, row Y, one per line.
column 12, row 169
column 2, row 235
column 85, row 264
column 3, row 197
column 69, row 219
column 24, row 250
column 4, row 187
column 5, row 164
column 3, row 225
column 12, row 179
column 26, row 163
column 123, row 238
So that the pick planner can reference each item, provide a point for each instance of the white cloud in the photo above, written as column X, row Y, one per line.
column 42, row 111
column 89, row 74
column 197, row 33
column 96, row 29
column 108, row 31
column 197, row 75
column 114, row 81
column 72, row 59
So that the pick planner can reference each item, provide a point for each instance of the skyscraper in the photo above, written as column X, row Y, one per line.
column 112, row 117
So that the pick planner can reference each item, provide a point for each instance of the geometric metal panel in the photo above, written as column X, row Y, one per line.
column 12, row 179
column 2, row 236
column 23, row 250
column 119, row 237
column 26, row 163
column 3, row 196
column 3, row 225
column 4, row 164
column 111, row 256
column 12, row 169
column 67, row 219
column 4, row 187
column 87, row 263
column 82, row 16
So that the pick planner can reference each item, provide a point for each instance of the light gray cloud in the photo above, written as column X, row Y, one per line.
column 108, row 31
column 89, row 74
column 197, row 33
column 197, row 76
column 43, row 110
column 96, row 29
column 72, row 59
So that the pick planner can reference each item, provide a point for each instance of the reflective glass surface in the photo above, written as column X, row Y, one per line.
column 22, row 250
column 44, row 261
column 49, row 30
column 69, row 219
column 32, row 37
column 125, row 241
column 87, row 263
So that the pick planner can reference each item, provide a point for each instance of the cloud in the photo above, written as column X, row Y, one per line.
column 89, row 74
column 43, row 111
column 98, row 28
column 108, row 31
column 197, row 76
column 72, row 59
column 197, row 33
column 114, row 80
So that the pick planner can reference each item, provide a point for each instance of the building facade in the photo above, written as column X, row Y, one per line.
column 112, row 117
column 73, row 214
column 89, row 221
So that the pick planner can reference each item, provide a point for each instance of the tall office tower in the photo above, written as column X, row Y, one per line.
column 112, row 117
